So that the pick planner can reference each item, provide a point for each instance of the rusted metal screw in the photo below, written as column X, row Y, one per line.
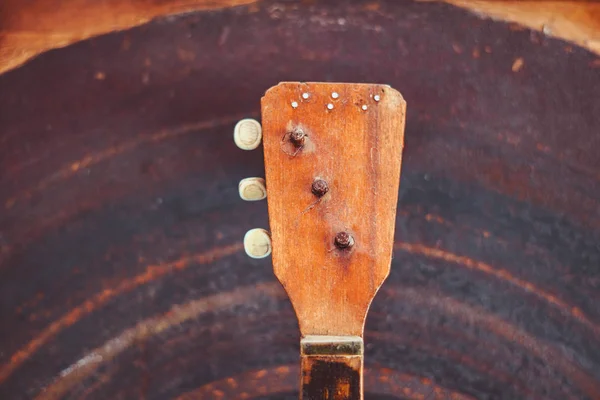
column 319, row 187
column 343, row 240
column 297, row 137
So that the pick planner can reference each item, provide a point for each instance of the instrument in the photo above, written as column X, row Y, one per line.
column 332, row 161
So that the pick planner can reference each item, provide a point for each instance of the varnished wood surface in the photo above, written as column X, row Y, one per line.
column 122, row 273
column 331, row 378
column 331, row 368
column 28, row 28
column 575, row 21
column 358, row 154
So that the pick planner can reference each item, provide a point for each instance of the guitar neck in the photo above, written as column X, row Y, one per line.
column 332, row 367
column 332, row 161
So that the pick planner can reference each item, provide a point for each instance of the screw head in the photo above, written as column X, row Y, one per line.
column 297, row 137
column 319, row 187
column 343, row 240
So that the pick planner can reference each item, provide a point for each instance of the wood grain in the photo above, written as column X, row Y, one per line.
column 28, row 28
column 33, row 27
column 574, row 21
column 358, row 153
column 331, row 368
column 331, row 378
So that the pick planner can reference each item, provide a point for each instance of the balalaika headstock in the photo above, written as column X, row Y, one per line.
column 332, row 159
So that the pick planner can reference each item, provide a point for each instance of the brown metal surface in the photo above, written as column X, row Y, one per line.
column 122, row 273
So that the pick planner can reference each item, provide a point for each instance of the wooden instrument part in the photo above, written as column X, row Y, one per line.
column 332, row 159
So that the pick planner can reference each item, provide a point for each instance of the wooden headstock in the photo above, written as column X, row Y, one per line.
column 332, row 159
column 353, row 135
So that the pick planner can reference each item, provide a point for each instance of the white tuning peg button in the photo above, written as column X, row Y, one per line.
column 247, row 134
column 252, row 189
column 257, row 243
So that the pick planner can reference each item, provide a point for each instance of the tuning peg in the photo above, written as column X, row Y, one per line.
column 257, row 243
column 252, row 189
column 247, row 134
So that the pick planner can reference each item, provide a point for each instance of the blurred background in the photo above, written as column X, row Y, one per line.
column 122, row 270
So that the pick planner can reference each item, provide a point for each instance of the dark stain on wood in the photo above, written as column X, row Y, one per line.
column 331, row 378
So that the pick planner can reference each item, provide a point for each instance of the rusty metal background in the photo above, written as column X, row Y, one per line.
column 122, row 274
